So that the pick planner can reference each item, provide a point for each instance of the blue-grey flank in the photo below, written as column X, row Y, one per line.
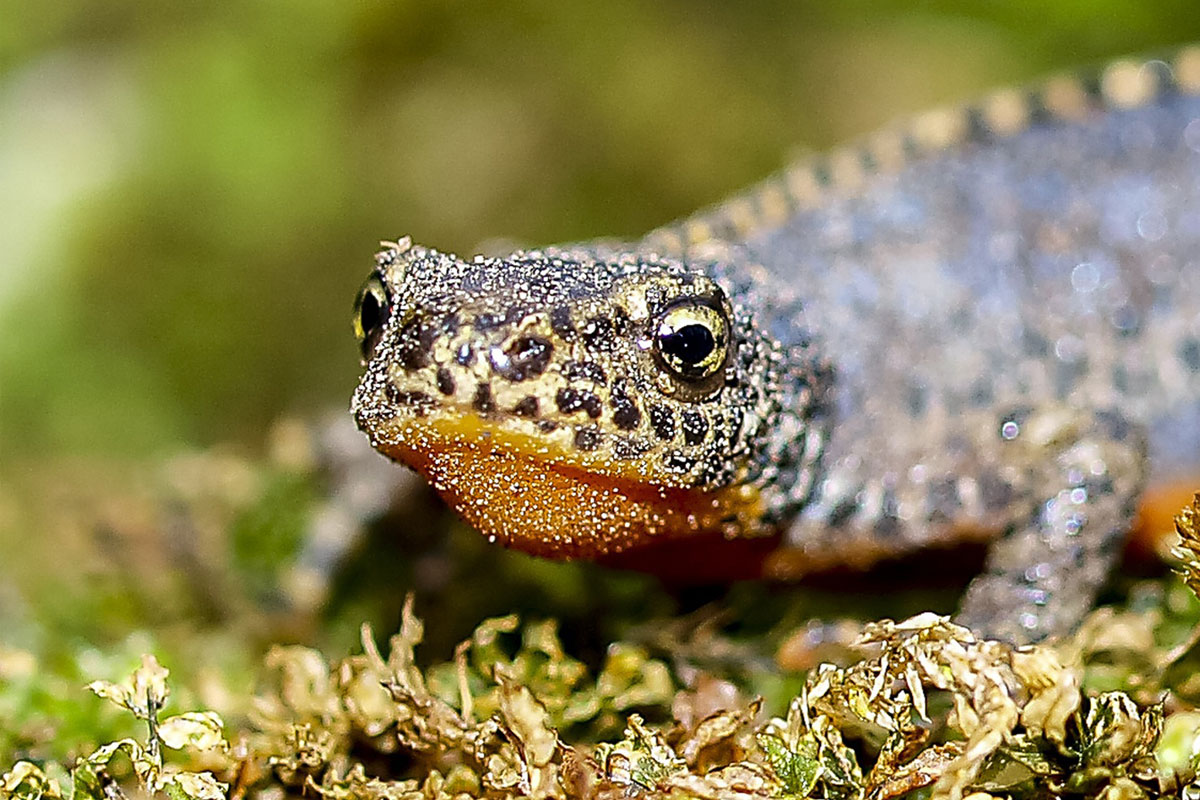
column 984, row 322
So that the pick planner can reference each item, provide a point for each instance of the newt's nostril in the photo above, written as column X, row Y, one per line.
column 526, row 357
column 414, row 343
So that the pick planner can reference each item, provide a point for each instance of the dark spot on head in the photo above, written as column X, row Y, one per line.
column 663, row 422
column 464, row 355
column 413, row 343
column 628, row 448
column 526, row 407
column 571, row 400
column 526, row 357
column 560, row 322
column 547, row 425
column 584, row 371
column 587, row 438
column 695, row 427
column 598, row 334
column 483, row 398
column 722, row 473
column 445, row 381
column 679, row 462
column 714, row 471
column 626, row 415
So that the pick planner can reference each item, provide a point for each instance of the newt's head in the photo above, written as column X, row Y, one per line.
column 571, row 403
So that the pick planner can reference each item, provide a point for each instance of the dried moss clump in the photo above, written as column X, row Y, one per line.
column 926, row 708
column 919, row 708
column 1187, row 525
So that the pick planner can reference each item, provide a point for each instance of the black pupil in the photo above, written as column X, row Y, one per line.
column 371, row 316
column 691, row 344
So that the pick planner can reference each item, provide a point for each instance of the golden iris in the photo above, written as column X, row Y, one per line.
column 692, row 338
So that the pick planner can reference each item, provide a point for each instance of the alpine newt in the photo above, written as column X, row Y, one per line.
column 983, row 323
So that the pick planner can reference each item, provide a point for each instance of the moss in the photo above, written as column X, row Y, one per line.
column 922, row 706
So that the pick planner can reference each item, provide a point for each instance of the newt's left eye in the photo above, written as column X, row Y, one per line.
column 692, row 338
column 372, row 308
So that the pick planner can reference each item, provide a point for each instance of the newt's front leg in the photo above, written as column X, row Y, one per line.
column 1082, row 473
column 1055, row 489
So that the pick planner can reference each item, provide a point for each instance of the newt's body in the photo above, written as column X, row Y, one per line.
column 984, row 324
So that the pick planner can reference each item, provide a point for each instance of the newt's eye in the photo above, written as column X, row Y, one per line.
column 691, row 339
column 372, row 308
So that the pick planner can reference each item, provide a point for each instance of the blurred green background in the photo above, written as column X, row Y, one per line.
column 191, row 192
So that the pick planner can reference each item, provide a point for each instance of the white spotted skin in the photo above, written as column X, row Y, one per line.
column 1037, row 258
column 984, row 323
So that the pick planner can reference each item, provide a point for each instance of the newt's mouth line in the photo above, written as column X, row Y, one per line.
column 492, row 450
column 470, row 434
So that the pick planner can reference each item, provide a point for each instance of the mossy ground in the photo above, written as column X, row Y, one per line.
column 624, row 688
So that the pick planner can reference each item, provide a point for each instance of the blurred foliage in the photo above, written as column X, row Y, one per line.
column 190, row 192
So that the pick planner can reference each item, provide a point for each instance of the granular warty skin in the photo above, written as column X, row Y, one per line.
column 984, row 323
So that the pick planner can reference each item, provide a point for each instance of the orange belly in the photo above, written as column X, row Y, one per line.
column 1154, row 526
column 712, row 558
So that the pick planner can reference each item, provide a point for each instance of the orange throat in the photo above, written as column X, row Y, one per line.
column 531, row 502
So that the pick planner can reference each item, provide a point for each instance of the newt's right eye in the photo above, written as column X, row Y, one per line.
column 692, row 339
column 372, row 308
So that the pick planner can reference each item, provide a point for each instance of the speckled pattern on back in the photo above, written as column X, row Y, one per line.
column 985, row 323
